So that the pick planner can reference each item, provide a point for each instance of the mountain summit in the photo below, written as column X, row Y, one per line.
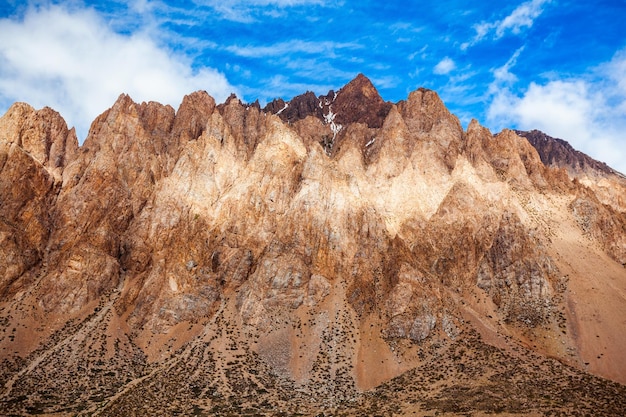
column 357, row 102
column 335, row 254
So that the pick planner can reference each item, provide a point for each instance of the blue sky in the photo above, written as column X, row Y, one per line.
column 554, row 65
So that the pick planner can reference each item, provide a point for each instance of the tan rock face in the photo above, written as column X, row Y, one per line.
column 43, row 134
column 224, row 228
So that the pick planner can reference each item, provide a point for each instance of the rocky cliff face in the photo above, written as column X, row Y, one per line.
column 225, row 254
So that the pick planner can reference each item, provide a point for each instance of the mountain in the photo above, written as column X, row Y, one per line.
column 607, row 183
column 336, row 254
column 558, row 153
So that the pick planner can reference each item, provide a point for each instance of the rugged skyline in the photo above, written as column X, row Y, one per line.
column 553, row 65
column 336, row 254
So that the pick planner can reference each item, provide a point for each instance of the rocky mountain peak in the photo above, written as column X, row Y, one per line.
column 359, row 102
column 356, row 102
column 361, row 85
column 192, row 115
column 42, row 133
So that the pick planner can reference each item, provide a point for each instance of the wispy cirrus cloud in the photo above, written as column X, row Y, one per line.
column 316, row 61
column 282, row 86
column 69, row 58
column 328, row 49
column 249, row 11
column 502, row 76
column 521, row 18
column 262, row 3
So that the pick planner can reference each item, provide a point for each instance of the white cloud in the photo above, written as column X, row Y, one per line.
column 503, row 74
column 445, row 66
column 615, row 74
column 71, row 60
column 420, row 52
column 327, row 48
column 241, row 3
column 245, row 10
column 279, row 3
column 522, row 17
column 282, row 86
column 562, row 108
column 587, row 111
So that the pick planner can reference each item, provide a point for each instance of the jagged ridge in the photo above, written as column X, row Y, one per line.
column 327, row 254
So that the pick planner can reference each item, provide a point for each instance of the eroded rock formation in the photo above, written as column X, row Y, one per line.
column 326, row 244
